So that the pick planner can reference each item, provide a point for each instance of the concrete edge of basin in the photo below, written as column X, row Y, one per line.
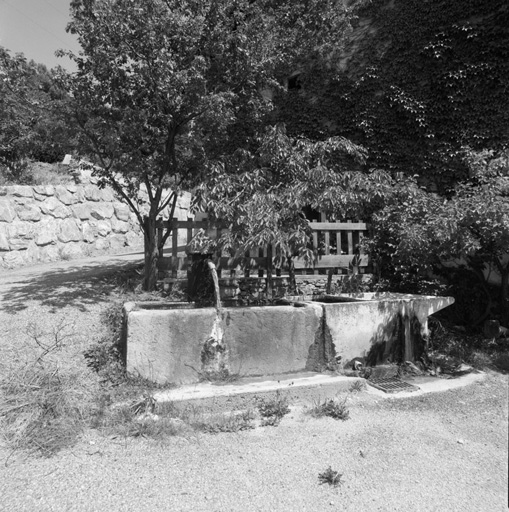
column 340, row 384
column 209, row 390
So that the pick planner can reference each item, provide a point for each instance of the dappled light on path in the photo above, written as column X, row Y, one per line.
column 73, row 284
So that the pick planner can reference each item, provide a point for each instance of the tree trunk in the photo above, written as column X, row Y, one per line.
column 504, row 296
column 151, row 254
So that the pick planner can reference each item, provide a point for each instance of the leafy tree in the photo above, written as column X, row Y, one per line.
column 166, row 89
column 264, row 205
column 481, row 209
column 15, row 108
column 420, row 238
column 31, row 125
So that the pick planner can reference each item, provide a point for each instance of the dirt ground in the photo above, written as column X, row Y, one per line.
column 442, row 451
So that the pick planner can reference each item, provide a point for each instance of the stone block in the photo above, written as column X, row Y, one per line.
column 134, row 239
column 117, row 242
column 102, row 211
column 103, row 228
column 92, row 193
column 22, row 200
column 7, row 212
column 4, row 243
column 46, row 237
column 107, row 195
column 69, row 231
column 89, row 232
column 80, row 195
column 23, row 230
column 31, row 255
column 43, row 191
column 118, row 226
column 82, row 211
column 49, row 253
column 13, row 259
column 71, row 251
column 122, row 211
column 21, row 191
column 29, row 212
column 64, row 196
column 18, row 244
column 52, row 206
column 102, row 244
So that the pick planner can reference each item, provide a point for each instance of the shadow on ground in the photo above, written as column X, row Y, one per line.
column 79, row 286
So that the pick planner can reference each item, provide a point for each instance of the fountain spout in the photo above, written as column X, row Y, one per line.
column 214, row 353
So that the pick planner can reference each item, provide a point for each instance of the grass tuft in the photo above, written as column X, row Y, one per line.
column 331, row 407
column 46, row 399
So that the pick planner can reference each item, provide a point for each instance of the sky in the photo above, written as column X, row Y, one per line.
column 37, row 29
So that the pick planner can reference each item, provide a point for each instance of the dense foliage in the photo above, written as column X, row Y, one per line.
column 421, row 82
column 167, row 89
column 264, row 204
column 425, row 243
column 31, row 122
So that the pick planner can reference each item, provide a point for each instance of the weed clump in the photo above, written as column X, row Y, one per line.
column 332, row 407
column 331, row 477
column 273, row 410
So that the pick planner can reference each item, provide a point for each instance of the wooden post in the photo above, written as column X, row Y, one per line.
column 174, row 248
column 189, row 234
column 350, row 240
column 247, row 269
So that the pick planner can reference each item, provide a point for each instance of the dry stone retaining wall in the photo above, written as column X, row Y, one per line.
column 59, row 222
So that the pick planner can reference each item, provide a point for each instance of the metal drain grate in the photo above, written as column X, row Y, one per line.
column 391, row 385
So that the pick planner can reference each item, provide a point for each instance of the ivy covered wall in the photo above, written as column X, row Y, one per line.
column 420, row 81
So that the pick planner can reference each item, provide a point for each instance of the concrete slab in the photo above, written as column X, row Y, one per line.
column 255, row 386
column 290, row 382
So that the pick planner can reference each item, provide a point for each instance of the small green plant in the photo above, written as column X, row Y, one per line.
column 273, row 410
column 357, row 386
column 331, row 477
column 331, row 407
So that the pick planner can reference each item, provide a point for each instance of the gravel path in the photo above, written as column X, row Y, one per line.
column 444, row 451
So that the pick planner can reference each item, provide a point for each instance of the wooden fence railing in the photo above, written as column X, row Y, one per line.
column 334, row 243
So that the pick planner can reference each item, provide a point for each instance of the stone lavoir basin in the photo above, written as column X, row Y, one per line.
column 180, row 344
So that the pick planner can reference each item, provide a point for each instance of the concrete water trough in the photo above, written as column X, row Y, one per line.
column 178, row 345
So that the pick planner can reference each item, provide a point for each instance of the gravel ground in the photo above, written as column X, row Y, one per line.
column 443, row 451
